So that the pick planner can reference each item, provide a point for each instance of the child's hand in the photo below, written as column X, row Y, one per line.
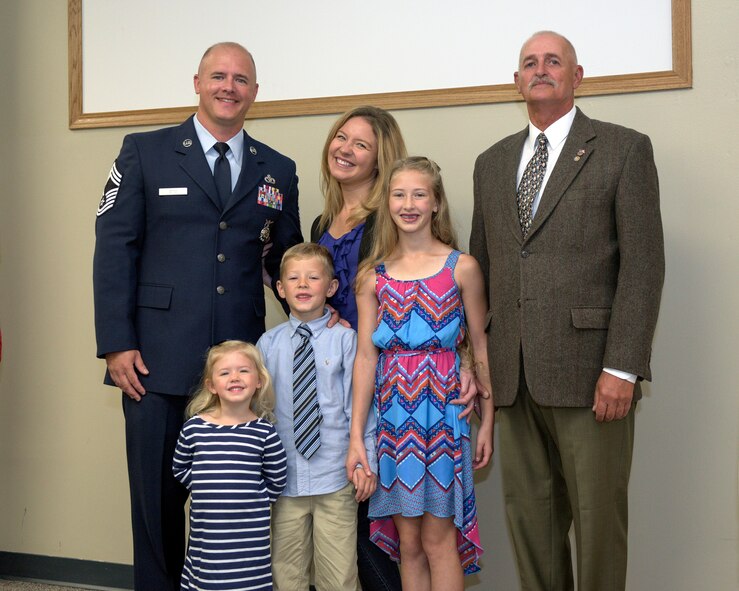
column 364, row 485
column 356, row 456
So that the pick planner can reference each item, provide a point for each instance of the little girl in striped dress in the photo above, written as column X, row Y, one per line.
column 232, row 461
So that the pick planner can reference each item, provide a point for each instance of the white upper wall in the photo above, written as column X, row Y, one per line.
column 322, row 49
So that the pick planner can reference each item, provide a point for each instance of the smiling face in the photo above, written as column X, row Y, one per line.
column 305, row 284
column 352, row 153
column 234, row 379
column 412, row 202
column 227, row 85
column 548, row 73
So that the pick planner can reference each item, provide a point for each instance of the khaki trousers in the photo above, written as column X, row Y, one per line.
column 560, row 465
column 318, row 531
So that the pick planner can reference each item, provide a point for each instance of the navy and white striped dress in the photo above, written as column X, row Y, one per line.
column 233, row 473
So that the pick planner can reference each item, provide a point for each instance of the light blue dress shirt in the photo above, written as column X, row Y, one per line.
column 234, row 155
column 334, row 349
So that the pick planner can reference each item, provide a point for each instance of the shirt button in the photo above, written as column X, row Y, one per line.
column 524, row 253
column 221, row 257
column 221, row 290
column 222, row 225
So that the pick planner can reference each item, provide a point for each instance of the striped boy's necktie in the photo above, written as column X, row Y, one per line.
column 306, row 412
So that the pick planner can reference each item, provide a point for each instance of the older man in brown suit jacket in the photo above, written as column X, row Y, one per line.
column 569, row 237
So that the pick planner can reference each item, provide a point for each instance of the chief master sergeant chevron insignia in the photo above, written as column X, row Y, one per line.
column 111, row 190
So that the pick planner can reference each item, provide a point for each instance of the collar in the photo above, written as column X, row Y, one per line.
column 556, row 133
column 316, row 326
column 236, row 143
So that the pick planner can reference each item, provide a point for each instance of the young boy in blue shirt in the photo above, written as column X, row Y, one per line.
column 314, row 522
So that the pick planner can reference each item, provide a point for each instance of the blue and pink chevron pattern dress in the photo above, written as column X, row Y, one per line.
column 423, row 449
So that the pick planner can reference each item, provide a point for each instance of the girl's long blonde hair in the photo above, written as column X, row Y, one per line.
column 386, row 232
column 390, row 147
column 263, row 401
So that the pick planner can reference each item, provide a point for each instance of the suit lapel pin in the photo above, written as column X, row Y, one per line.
column 264, row 234
column 253, row 150
column 580, row 152
column 269, row 179
column 187, row 143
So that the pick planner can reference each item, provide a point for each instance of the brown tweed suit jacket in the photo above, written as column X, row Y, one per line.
column 582, row 291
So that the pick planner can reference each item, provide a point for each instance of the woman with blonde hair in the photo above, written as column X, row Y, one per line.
column 361, row 148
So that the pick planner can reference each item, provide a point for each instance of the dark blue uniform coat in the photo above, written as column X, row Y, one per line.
column 173, row 274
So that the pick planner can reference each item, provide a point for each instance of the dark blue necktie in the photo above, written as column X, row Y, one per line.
column 222, row 174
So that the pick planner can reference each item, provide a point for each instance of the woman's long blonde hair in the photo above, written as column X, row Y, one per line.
column 263, row 401
column 390, row 147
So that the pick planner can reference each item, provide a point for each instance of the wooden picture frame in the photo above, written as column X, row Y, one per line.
column 681, row 76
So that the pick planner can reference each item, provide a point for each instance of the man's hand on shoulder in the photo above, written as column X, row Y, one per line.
column 124, row 367
column 613, row 397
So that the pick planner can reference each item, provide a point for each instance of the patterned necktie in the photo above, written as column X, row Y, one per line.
column 530, row 183
column 306, row 413
column 222, row 174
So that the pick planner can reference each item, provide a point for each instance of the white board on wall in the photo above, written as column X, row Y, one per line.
column 140, row 56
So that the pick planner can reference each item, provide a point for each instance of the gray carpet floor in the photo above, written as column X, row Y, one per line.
column 25, row 586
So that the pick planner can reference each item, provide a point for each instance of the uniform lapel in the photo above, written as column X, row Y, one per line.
column 251, row 171
column 194, row 162
column 575, row 153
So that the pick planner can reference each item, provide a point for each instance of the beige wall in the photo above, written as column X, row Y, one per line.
column 63, row 489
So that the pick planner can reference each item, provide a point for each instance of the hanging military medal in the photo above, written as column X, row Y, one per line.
column 264, row 234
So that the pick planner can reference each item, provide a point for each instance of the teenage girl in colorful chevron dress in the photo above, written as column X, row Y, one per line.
column 421, row 305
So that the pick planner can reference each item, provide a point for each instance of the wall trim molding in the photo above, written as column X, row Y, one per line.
column 66, row 570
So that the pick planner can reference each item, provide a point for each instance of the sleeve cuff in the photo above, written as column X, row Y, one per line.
column 624, row 375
